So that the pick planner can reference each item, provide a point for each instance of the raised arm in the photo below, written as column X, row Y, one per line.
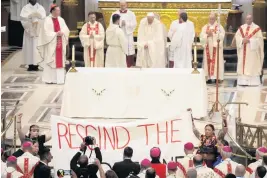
column 196, row 132
column 101, row 170
column 224, row 129
column 20, row 132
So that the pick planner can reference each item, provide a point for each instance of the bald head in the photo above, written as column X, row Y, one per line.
column 249, row 19
column 240, row 170
column 123, row 5
column 191, row 173
column 212, row 18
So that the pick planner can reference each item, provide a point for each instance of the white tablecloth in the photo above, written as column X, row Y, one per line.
column 133, row 93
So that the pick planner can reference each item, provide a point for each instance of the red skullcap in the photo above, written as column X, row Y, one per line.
column 262, row 149
column 27, row 144
column 189, row 146
column 227, row 149
column 172, row 165
column 52, row 6
column 145, row 162
column 11, row 159
column 155, row 152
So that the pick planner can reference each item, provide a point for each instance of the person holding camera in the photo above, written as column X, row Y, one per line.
column 84, row 167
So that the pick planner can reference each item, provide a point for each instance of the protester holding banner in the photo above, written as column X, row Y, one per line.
column 33, row 134
column 87, row 167
column 126, row 167
column 208, row 141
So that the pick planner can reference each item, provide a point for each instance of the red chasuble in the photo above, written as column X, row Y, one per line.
column 160, row 170
column 59, row 50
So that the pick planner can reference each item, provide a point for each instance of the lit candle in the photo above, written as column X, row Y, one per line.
column 195, row 53
column 73, row 52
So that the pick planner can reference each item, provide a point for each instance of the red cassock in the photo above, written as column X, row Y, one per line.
column 59, row 52
column 160, row 170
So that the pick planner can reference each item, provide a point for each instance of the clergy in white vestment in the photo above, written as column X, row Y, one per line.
column 181, row 44
column 173, row 29
column 250, row 52
column 150, row 43
column 208, row 38
column 202, row 170
column 116, row 41
column 92, row 38
column 26, row 163
column 227, row 166
column 10, row 169
column 52, row 43
column 145, row 165
column 260, row 152
column 187, row 162
column 15, row 9
column 128, row 24
column 172, row 169
column 46, row 4
column 32, row 16
column 165, row 35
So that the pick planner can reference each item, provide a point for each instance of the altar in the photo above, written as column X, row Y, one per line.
column 198, row 10
column 133, row 93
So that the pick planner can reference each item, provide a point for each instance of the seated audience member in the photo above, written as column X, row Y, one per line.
column 221, row 144
column 191, row 173
column 156, row 164
column 202, row 170
column 259, row 154
column 172, row 168
column 111, row 174
column 33, row 134
column 145, row 164
column 127, row 166
column 42, row 170
column 187, row 162
column 230, row 176
column 80, row 163
column 20, row 152
column 240, row 171
column 32, row 160
column 150, row 173
column 260, row 172
column 10, row 170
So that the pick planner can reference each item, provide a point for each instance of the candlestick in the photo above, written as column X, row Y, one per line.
column 73, row 52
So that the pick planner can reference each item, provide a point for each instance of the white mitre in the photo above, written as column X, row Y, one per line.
column 150, row 14
column 123, row 1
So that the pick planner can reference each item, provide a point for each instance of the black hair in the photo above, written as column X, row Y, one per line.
column 43, row 153
column 183, row 16
column 32, row 126
column 115, row 18
column 91, row 13
column 211, row 126
column 128, row 152
column 198, row 162
column 53, row 8
column 261, row 171
column 224, row 142
column 150, row 173
column 230, row 176
column 264, row 160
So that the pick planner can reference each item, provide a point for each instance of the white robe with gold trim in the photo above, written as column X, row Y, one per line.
column 97, row 42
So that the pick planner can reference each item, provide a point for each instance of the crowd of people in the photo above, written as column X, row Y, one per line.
column 211, row 159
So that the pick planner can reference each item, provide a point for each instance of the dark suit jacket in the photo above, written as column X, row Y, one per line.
column 91, row 168
column 18, row 153
column 42, row 171
column 125, row 167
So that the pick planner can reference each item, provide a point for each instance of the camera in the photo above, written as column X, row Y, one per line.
column 89, row 140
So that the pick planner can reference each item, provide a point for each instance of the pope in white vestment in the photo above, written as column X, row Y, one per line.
column 250, row 52
column 52, row 44
column 208, row 38
column 128, row 24
column 181, row 43
column 150, row 43
column 92, row 38
column 32, row 16
column 116, row 41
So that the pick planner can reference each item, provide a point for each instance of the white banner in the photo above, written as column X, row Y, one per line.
column 169, row 134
